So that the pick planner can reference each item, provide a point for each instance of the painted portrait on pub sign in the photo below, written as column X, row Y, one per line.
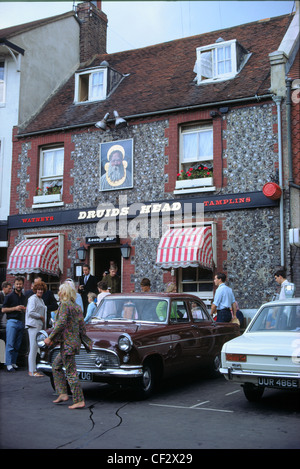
column 116, row 165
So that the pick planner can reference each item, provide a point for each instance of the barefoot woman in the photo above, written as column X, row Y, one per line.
column 67, row 331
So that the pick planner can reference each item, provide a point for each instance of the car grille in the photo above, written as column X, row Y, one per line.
column 86, row 361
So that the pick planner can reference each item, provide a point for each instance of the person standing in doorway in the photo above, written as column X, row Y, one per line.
column 14, row 307
column 224, row 300
column 113, row 280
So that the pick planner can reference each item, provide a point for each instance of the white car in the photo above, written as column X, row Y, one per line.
column 268, row 353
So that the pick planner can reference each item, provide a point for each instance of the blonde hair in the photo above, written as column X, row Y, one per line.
column 170, row 287
column 91, row 295
column 67, row 292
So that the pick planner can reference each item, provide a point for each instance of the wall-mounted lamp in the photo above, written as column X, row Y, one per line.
column 102, row 124
column 81, row 253
column 119, row 122
column 221, row 111
column 125, row 250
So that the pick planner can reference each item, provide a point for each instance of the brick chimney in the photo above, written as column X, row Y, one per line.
column 93, row 29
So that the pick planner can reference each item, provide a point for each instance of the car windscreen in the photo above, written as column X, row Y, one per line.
column 277, row 318
column 138, row 309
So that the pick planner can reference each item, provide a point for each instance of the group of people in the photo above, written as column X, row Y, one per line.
column 28, row 309
column 33, row 308
column 88, row 283
column 225, row 305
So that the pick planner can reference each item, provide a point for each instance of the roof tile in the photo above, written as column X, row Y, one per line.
column 161, row 77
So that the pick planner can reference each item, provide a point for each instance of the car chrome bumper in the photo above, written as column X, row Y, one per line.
column 236, row 374
column 124, row 372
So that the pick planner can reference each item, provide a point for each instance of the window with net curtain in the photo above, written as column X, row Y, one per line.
column 91, row 85
column 196, row 147
column 52, row 167
column 96, row 87
column 219, row 61
column 216, row 62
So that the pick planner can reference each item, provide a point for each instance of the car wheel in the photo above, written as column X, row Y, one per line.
column 253, row 393
column 147, row 383
column 214, row 367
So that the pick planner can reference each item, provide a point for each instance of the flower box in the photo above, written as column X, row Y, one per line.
column 46, row 199
column 189, row 183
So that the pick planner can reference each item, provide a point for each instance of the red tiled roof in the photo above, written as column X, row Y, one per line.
column 161, row 77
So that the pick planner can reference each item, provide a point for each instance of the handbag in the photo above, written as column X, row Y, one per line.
column 86, row 342
column 235, row 321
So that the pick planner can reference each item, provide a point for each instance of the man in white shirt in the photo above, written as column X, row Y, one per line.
column 223, row 301
column 280, row 278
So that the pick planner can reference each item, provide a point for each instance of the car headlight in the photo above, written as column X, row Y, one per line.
column 125, row 342
column 40, row 339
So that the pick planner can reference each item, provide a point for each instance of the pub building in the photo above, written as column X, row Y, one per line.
column 158, row 160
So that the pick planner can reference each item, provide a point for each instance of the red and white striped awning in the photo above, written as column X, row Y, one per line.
column 186, row 247
column 35, row 255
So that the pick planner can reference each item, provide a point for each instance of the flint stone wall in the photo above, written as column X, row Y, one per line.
column 250, row 160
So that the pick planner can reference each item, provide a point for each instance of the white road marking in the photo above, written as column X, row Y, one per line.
column 193, row 407
column 200, row 403
column 233, row 392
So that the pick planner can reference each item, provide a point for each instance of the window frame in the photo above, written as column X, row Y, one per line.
column 208, row 294
column 204, row 318
column 87, row 75
column 55, row 177
column 195, row 128
column 185, row 319
column 214, row 48
column 198, row 184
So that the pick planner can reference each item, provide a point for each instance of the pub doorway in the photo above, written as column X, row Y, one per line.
column 103, row 257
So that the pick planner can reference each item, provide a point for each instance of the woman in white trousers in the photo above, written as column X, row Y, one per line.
column 36, row 313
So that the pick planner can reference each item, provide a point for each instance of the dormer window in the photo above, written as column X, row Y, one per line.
column 91, row 85
column 219, row 61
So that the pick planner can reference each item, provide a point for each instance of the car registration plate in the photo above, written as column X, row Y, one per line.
column 285, row 383
column 84, row 376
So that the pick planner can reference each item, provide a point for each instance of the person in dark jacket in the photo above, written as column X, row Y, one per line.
column 87, row 283
column 14, row 307
column 113, row 280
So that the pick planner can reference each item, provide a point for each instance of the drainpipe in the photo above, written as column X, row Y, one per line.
column 277, row 100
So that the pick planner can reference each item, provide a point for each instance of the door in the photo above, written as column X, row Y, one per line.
column 103, row 256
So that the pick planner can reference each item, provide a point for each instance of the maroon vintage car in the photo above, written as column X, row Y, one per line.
column 140, row 338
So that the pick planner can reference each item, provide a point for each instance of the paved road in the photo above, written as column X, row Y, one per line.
column 191, row 413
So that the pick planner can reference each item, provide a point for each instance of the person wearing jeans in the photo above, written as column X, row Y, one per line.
column 14, row 307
